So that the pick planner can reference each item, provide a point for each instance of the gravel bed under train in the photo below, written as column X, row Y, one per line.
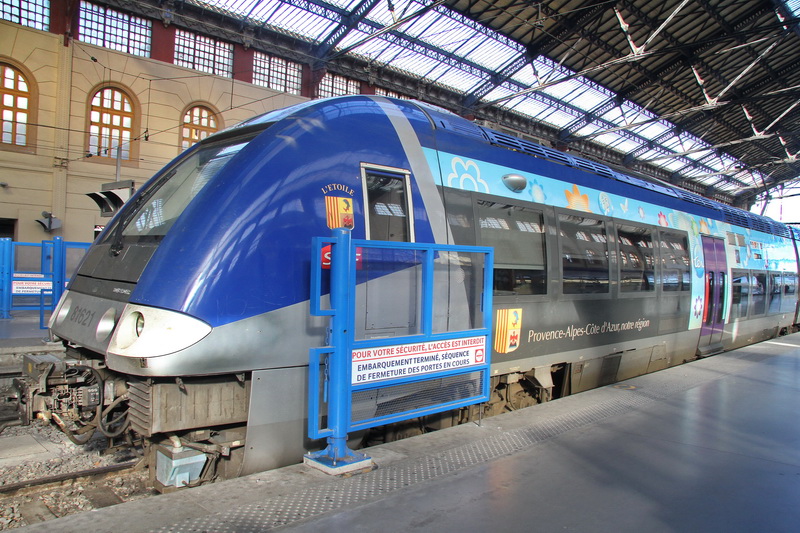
column 69, row 457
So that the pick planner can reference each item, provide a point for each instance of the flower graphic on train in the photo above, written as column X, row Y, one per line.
column 662, row 219
column 642, row 214
column 339, row 212
column 604, row 201
column 704, row 226
column 698, row 307
column 537, row 193
column 507, row 329
column 576, row 200
column 684, row 222
column 624, row 206
column 466, row 175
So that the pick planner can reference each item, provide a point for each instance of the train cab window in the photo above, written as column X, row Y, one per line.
column 636, row 262
column 789, row 299
column 775, row 290
column 584, row 255
column 676, row 273
column 165, row 199
column 518, row 237
column 740, row 293
column 386, row 195
column 758, row 290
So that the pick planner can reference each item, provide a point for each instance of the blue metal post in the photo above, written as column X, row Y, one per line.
column 59, row 269
column 6, row 273
column 47, row 256
column 337, row 456
column 339, row 366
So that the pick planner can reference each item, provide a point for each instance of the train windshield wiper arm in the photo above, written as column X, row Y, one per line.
column 117, row 244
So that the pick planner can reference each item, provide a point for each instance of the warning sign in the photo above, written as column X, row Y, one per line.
column 29, row 286
column 405, row 360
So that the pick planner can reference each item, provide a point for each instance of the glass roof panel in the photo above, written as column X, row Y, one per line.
column 671, row 164
column 451, row 39
column 530, row 107
column 491, row 54
column 347, row 5
column 459, row 80
column 588, row 129
column 793, row 6
column 380, row 14
column 526, row 76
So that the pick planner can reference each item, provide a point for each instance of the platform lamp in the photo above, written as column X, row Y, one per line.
column 49, row 222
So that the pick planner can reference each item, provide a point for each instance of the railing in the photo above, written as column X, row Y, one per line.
column 421, row 344
column 33, row 276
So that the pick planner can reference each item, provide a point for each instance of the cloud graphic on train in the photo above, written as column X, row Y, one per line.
column 468, row 176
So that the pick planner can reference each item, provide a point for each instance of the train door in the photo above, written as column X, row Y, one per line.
column 388, row 298
column 716, row 285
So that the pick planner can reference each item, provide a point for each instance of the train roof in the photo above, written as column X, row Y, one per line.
column 445, row 120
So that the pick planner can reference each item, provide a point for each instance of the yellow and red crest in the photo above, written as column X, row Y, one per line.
column 339, row 212
column 507, row 330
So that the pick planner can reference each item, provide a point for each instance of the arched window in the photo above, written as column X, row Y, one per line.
column 15, row 106
column 198, row 123
column 111, row 122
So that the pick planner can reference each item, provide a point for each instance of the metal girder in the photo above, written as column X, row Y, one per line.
column 694, row 60
column 565, row 25
column 502, row 76
column 730, row 127
column 438, row 54
column 378, row 31
column 349, row 22
column 576, row 25
column 590, row 116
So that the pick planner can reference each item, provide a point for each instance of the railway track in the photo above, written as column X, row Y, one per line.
column 39, row 500
column 58, row 478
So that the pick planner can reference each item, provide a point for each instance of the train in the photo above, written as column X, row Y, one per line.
column 187, row 325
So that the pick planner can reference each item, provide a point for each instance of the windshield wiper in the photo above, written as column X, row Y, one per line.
column 125, row 219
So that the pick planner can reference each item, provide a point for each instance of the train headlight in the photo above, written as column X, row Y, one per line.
column 150, row 332
column 139, row 327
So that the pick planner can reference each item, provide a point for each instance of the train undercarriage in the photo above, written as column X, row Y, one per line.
column 191, row 431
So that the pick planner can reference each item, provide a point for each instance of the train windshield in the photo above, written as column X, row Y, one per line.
column 157, row 208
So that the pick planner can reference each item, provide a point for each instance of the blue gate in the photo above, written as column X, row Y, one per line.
column 410, row 335
column 33, row 276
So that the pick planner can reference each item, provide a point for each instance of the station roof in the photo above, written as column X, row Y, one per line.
column 704, row 94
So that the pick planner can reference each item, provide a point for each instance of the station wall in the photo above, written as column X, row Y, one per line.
column 54, row 171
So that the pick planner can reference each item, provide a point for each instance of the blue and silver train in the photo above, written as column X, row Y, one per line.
column 188, row 321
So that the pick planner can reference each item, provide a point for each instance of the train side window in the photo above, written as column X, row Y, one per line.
column 636, row 262
column 758, row 289
column 775, row 290
column 584, row 255
column 789, row 300
column 740, row 293
column 676, row 274
column 518, row 237
column 388, row 205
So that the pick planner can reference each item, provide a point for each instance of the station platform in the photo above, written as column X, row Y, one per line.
column 22, row 333
column 713, row 445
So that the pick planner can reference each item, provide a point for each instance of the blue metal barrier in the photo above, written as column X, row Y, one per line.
column 434, row 368
column 33, row 276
